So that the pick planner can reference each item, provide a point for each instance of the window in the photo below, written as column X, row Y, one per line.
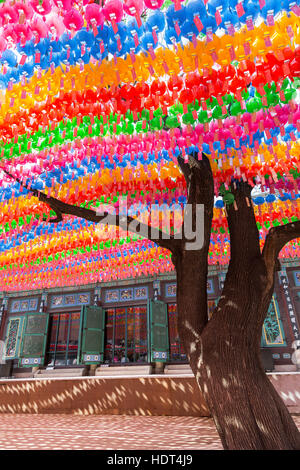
column 63, row 346
column 126, row 335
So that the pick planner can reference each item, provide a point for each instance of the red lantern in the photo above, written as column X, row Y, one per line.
column 158, row 88
column 175, row 83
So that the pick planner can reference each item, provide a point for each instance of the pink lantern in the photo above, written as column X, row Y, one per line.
column 113, row 12
column 94, row 16
column 8, row 15
column 73, row 20
column 9, row 34
column 43, row 8
column 39, row 29
column 134, row 8
column 64, row 4
column 23, row 33
column 23, row 9
column 153, row 4
column 56, row 26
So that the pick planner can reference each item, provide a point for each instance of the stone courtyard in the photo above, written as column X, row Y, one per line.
column 104, row 432
column 69, row 432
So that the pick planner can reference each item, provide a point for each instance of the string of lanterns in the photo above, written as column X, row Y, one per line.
column 98, row 101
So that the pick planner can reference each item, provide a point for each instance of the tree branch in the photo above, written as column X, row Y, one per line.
column 55, row 220
column 276, row 239
column 192, row 266
column 185, row 168
column 244, row 235
column 125, row 222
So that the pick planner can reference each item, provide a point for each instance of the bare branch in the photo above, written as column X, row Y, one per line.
column 54, row 220
column 244, row 235
column 201, row 188
column 185, row 168
column 123, row 221
column 276, row 239
column 192, row 267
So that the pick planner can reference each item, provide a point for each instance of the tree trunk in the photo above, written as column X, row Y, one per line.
column 224, row 353
column 225, row 358
column 247, row 410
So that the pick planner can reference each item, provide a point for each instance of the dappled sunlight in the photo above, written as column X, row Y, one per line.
column 190, row 328
column 231, row 304
column 261, row 427
column 87, row 431
column 235, row 380
column 208, row 372
column 291, row 395
column 232, row 421
column 288, row 387
column 116, row 407
column 144, row 396
column 225, row 383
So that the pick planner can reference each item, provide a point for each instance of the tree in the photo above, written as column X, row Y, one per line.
column 224, row 353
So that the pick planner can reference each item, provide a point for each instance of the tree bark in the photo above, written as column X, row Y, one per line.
column 247, row 410
column 225, row 354
column 192, row 265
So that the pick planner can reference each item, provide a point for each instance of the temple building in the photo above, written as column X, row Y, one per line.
column 77, row 331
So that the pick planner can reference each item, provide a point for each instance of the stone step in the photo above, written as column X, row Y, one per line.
column 175, row 369
column 78, row 372
column 185, row 367
column 22, row 375
column 125, row 370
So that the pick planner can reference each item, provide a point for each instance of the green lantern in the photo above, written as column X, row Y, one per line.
column 203, row 116
column 155, row 124
column 188, row 118
column 172, row 122
column 139, row 126
column 253, row 105
column 176, row 109
column 235, row 109
column 289, row 94
column 127, row 128
column 158, row 112
column 217, row 112
column 272, row 99
column 193, row 106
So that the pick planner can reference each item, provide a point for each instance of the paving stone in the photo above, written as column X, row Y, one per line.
column 107, row 432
